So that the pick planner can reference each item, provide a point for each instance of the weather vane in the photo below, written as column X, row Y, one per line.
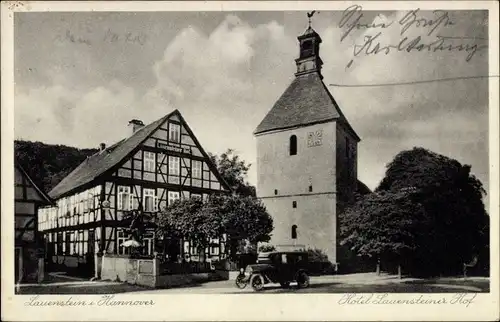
column 309, row 15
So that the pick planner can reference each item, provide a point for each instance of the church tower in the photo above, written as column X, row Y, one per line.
column 306, row 158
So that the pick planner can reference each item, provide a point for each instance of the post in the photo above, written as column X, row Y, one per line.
column 98, row 264
column 378, row 267
column 399, row 271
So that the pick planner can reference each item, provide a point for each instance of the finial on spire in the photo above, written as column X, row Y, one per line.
column 309, row 15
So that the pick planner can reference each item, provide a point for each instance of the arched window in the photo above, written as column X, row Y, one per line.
column 293, row 145
column 294, row 232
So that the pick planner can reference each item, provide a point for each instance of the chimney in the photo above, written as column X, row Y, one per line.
column 134, row 125
column 102, row 147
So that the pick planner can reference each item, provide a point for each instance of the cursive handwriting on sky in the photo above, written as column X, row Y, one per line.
column 428, row 38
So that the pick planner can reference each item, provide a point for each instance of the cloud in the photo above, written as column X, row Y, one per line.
column 58, row 114
column 225, row 79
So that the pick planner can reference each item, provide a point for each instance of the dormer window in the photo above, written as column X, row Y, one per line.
column 293, row 145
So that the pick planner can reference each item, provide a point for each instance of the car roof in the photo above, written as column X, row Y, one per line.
column 267, row 254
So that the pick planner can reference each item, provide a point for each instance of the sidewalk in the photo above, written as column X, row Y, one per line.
column 59, row 283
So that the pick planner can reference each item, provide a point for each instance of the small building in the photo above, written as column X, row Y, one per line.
column 307, row 159
column 154, row 166
column 29, row 250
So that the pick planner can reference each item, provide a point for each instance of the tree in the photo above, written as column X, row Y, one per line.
column 383, row 226
column 427, row 211
column 238, row 217
column 453, row 202
column 234, row 171
column 48, row 164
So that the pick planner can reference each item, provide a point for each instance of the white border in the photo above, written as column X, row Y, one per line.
column 239, row 307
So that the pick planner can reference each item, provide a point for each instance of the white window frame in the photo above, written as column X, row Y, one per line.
column 124, row 204
column 197, row 169
column 173, row 196
column 174, row 133
column 121, row 238
column 149, row 161
column 173, row 166
column 150, row 193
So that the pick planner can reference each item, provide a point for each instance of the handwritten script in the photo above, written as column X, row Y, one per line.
column 106, row 300
column 353, row 19
column 464, row 299
column 110, row 36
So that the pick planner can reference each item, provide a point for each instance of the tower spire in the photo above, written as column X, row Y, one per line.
column 310, row 15
column 309, row 60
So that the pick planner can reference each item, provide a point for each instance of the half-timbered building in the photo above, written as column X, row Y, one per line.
column 148, row 170
column 29, row 263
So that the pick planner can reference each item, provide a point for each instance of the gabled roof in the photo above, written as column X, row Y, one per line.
column 45, row 198
column 103, row 161
column 306, row 101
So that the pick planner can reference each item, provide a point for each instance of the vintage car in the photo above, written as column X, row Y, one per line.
column 276, row 267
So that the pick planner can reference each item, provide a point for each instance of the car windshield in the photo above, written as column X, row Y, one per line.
column 264, row 258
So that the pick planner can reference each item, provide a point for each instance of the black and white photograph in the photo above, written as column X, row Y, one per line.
column 343, row 151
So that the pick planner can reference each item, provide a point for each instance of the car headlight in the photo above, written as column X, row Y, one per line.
column 242, row 270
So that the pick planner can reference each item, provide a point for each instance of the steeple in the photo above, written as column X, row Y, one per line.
column 309, row 60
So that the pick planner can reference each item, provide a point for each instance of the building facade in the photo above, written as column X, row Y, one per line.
column 154, row 166
column 307, row 158
column 29, row 252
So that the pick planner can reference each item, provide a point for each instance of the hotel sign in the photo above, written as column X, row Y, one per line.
column 173, row 148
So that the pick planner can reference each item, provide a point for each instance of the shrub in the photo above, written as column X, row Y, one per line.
column 266, row 248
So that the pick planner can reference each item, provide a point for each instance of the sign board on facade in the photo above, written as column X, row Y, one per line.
column 174, row 148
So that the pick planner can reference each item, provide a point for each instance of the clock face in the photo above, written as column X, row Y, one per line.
column 315, row 138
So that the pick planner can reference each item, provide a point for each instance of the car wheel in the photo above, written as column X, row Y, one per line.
column 303, row 280
column 285, row 284
column 257, row 282
column 240, row 282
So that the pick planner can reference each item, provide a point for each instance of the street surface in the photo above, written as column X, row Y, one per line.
column 352, row 283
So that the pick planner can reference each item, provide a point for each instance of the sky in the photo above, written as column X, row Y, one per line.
column 80, row 77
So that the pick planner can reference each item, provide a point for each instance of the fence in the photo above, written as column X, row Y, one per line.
column 170, row 268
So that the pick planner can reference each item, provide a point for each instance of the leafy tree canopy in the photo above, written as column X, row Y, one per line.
column 428, row 209
column 48, row 164
column 234, row 171
column 239, row 217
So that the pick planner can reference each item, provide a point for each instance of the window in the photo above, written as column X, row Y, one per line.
column 173, row 166
column 294, row 232
column 196, row 170
column 294, row 204
column 293, row 145
column 174, row 133
column 275, row 192
column 310, row 188
column 196, row 195
column 172, row 197
column 149, row 161
column 149, row 200
column 122, row 237
column 124, row 198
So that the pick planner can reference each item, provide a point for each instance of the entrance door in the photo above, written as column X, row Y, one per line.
column 90, row 259
column 18, row 264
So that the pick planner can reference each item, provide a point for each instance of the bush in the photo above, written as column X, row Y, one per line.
column 266, row 248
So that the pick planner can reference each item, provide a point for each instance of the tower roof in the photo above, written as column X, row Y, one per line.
column 310, row 32
column 306, row 101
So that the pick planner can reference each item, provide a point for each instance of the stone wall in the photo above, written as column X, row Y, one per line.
column 146, row 272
